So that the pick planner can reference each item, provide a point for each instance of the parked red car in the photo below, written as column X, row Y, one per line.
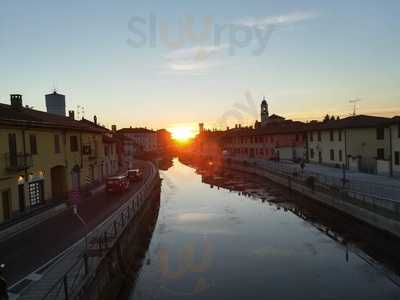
column 117, row 183
column 134, row 175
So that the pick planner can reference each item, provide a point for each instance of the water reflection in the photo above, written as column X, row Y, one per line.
column 227, row 235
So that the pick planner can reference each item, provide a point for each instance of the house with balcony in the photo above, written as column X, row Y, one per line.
column 43, row 157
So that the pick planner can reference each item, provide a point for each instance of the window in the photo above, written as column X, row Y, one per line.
column 398, row 130
column 340, row 135
column 331, row 135
column 380, row 153
column 332, row 154
column 397, row 158
column 312, row 153
column 319, row 136
column 56, row 143
column 73, row 143
column 380, row 133
column 311, row 136
column 297, row 137
column 340, row 155
column 32, row 140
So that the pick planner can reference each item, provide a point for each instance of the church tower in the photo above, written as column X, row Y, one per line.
column 264, row 111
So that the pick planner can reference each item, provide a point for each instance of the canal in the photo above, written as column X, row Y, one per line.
column 241, row 237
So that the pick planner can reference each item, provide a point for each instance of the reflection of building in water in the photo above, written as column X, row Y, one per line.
column 165, row 163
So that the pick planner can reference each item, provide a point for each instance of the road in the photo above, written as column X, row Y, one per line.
column 31, row 249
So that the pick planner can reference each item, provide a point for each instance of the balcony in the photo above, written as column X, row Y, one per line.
column 18, row 162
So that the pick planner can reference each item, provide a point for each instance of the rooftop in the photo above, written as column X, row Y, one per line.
column 24, row 116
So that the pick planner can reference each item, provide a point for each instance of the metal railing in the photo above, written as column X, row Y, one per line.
column 333, row 186
column 18, row 161
column 101, row 240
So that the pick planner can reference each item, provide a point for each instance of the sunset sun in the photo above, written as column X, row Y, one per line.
column 182, row 134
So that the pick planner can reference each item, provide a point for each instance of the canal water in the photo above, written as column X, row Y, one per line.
column 241, row 237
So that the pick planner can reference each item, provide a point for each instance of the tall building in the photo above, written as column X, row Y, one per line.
column 55, row 104
column 201, row 127
column 264, row 111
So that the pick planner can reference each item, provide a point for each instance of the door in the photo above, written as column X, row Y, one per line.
column 5, row 199
column 21, row 197
column 36, row 193
column 58, row 182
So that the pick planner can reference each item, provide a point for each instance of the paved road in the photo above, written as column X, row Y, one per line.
column 31, row 249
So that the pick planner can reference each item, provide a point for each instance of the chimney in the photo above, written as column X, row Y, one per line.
column 240, row 125
column 71, row 114
column 16, row 101
column 114, row 128
column 95, row 119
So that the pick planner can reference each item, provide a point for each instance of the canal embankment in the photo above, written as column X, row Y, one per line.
column 70, row 274
column 383, row 214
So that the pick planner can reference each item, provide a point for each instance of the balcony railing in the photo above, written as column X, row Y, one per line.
column 18, row 162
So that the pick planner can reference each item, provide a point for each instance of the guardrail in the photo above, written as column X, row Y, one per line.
column 330, row 185
column 98, row 243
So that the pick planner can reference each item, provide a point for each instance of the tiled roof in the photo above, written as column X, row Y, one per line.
column 270, row 128
column 35, row 118
column 136, row 130
column 361, row 121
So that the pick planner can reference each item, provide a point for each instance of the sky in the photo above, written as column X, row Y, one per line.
column 164, row 64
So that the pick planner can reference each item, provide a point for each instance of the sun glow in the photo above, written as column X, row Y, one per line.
column 182, row 134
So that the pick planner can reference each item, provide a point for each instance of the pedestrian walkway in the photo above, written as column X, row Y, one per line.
column 29, row 254
column 370, row 184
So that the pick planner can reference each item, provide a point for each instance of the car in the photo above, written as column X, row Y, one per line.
column 134, row 175
column 118, row 183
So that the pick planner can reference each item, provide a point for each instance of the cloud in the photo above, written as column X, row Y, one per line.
column 194, row 53
column 192, row 60
column 279, row 20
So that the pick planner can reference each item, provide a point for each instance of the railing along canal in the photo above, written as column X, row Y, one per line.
column 336, row 187
column 69, row 285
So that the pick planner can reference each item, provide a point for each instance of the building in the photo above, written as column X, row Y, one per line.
column 109, row 154
column 127, row 150
column 43, row 157
column 272, row 138
column 360, row 143
column 55, row 104
column 164, row 140
column 146, row 138
column 395, row 143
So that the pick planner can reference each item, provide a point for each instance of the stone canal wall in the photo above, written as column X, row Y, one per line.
column 366, row 209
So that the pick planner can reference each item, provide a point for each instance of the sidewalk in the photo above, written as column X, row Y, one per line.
column 370, row 184
column 28, row 251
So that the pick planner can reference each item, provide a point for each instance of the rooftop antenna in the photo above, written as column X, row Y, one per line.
column 354, row 102
column 54, row 88
column 80, row 112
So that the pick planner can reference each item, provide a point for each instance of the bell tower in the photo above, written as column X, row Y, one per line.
column 264, row 111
